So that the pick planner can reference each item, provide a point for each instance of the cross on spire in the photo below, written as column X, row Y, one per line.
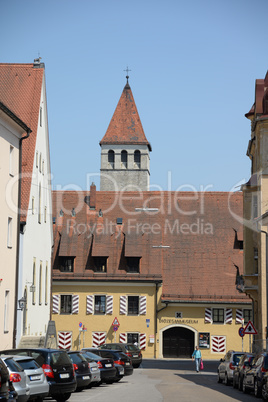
column 127, row 76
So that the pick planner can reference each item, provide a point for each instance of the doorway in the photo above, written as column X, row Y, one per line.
column 178, row 342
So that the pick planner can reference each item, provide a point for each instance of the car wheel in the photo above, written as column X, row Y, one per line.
column 244, row 387
column 264, row 392
column 136, row 365
column 219, row 378
column 226, row 379
column 63, row 397
column 256, row 389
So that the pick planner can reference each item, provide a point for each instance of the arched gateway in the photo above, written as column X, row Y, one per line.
column 178, row 342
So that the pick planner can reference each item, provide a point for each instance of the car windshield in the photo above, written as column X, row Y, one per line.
column 236, row 358
column 77, row 357
column 92, row 355
column 29, row 364
column 13, row 366
column 132, row 348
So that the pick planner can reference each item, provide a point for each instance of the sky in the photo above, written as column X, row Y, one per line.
column 193, row 69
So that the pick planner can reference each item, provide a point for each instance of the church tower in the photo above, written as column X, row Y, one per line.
column 125, row 158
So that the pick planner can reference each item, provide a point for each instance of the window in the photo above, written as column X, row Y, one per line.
column 111, row 158
column 6, row 311
column 218, row 315
column 46, row 283
column 133, row 264
column 39, row 211
column 43, row 167
column 40, row 282
column 36, row 163
column 45, row 214
column 40, row 163
column 33, row 210
column 41, row 117
column 254, row 206
column 11, row 160
column 34, row 282
column 100, row 305
column 137, row 159
column 66, row 304
column 9, row 232
column 247, row 315
column 100, row 264
column 124, row 159
column 133, row 338
column 133, row 305
column 66, row 264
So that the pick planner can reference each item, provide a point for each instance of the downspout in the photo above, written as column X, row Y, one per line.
column 156, row 314
column 18, row 239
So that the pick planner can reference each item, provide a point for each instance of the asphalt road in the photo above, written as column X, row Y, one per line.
column 166, row 380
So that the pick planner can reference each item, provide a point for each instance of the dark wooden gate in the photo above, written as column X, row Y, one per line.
column 178, row 342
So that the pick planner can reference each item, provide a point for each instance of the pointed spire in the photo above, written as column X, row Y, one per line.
column 125, row 126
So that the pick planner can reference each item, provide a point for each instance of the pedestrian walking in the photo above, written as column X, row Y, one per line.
column 197, row 357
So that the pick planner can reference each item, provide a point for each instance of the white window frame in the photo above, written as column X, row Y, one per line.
column 11, row 160
column 9, row 231
column 6, row 311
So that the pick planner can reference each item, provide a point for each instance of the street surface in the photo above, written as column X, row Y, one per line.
column 166, row 380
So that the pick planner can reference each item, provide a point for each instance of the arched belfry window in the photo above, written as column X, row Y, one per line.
column 124, row 159
column 111, row 158
column 137, row 159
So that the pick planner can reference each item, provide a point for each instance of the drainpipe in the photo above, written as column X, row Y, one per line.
column 156, row 314
column 28, row 131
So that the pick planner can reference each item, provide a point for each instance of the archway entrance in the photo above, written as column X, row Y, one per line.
column 178, row 342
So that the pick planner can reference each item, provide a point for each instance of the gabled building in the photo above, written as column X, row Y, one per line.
column 23, row 91
column 12, row 132
column 255, row 194
column 156, row 268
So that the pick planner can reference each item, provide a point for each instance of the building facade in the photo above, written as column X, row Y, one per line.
column 23, row 90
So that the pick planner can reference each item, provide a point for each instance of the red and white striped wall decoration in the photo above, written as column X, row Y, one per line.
column 208, row 316
column 123, row 337
column 142, row 305
column 123, row 305
column 142, row 341
column 218, row 344
column 89, row 304
column 98, row 338
column 56, row 302
column 65, row 340
column 75, row 306
column 238, row 316
column 109, row 304
column 228, row 316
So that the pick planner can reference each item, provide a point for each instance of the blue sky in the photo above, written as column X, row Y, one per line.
column 193, row 70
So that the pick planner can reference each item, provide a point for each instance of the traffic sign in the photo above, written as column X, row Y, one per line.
column 241, row 331
column 115, row 328
column 250, row 329
column 80, row 324
column 115, row 323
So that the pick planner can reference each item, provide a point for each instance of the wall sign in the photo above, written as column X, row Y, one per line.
column 178, row 314
column 204, row 340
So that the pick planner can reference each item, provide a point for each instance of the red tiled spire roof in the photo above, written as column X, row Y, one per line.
column 125, row 126
column 20, row 91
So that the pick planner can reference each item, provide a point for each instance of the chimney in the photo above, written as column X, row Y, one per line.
column 92, row 199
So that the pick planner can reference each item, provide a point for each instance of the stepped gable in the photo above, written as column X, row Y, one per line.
column 125, row 126
column 190, row 241
column 20, row 91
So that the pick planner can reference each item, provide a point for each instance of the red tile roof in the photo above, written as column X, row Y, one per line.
column 20, row 91
column 189, row 243
column 125, row 126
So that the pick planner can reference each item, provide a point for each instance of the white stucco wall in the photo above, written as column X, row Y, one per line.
column 36, row 241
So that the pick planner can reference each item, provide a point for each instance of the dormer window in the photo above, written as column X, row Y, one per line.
column 111, row 158
column 124, row 159
column 137, row 159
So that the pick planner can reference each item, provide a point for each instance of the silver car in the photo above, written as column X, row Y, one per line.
column 227, row 366
column 94, row 369
column 36, row 378
column 18, row 378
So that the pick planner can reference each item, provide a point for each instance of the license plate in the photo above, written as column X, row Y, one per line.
column 86, row 377
column 94, row 369
column 127, row 363
column 66, row 375
column 35, row 377
column 108, row 365
column 135, row 355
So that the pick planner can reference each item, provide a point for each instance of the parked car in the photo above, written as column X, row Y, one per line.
column 4, row 382
column 264, row 391
column 95, row 371
column 107, row 370
column 119, row 358
column 18, row 378
column 81, row 368
column 254, row 376
column 240, row 369
column 58, row 369
column 227, row 366
column 129, row 349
